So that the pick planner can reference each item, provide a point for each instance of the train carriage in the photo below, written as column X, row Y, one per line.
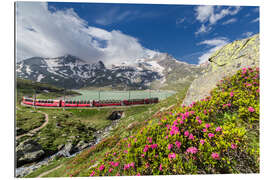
column 86, row 103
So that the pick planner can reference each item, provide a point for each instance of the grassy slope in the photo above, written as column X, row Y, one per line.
column 134, row 119
column 232, row 119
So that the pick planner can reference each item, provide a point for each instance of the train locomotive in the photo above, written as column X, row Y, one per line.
column 86, row 103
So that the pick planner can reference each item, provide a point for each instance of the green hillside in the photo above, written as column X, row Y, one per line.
column 218, row 134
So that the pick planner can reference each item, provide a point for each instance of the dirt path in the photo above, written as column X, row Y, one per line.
column 33, row 131
column 47, row 172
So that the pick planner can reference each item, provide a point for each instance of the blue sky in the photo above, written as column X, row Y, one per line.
column 120, row 32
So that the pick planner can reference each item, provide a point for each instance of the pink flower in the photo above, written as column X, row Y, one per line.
column 160, row 167
column 251, row 109
column 114, row 153
column 186, row 133
column 204, row 130
column 248, row 85
column 145, row 148
column 191, row 137
column 166, row 137
column 231, row 94
column 110, row 170
column 126, row 166
column 181, row 122
column 101, row 167
column 170, row 146
column 135, row 140
column 215, row 155
column 149, row 139
column 233, row 146
column 207, row 125
column 202, row 141
column 129, row 145
column 204, row 111
column 147, row 165
column 200, row 121
column 192, row 150
column 218, row 129
column 138, row 174
column 131, row 164
column 178, row 144
column 93, row 173
column 171, row 155
column 153, row 146
column 142, row 155
column 116, row 164
column 125, row 151
column 197, row 117
column 211, row 135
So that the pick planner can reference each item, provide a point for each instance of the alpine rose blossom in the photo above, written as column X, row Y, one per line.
column 171, row 156
column 170, row 146
column 192, row 150
column 202, row 141
column 178, row 144
column 191, row 137
column 211, row 135
column 251, row 109
column 233, row 146
column 218, row 129
column 215, row 155
column 93, row 173
column 101, row 167
column 207, row 126
column 160, row 167
column 186, row 133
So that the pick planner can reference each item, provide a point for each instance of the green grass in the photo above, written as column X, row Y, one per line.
column 45, row 168
column 133, row 121
column 27, row 119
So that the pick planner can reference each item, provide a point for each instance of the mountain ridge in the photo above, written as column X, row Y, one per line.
column 70, row 71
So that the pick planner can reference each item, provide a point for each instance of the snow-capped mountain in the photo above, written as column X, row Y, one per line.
column 71, row 72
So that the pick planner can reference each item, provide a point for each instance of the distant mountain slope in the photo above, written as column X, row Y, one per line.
column 68, row 71
column 225, row 62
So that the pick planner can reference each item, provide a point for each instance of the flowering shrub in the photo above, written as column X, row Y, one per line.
column 208, row 136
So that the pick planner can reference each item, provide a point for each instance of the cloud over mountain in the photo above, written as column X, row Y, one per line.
column 41, row 32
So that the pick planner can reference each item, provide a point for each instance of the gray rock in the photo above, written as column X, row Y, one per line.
column 224, row 62
column 67, row 150
column 28, row 151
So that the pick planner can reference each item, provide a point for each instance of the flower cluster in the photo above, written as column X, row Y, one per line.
column 208, row 136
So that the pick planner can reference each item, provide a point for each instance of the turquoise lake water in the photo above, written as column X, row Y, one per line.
column 120, row 95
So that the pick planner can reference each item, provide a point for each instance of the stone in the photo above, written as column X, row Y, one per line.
column 224, row 62
column 28, row 151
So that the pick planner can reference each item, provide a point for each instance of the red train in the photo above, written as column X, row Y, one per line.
column 86, row 103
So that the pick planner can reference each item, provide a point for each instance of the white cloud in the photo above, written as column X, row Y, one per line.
column 212, row 14
column 41, row 32
column 255, row 20
column 214, row 45
column 247, row 34
column 230, row 21
column 180, row 20
column 203, row 29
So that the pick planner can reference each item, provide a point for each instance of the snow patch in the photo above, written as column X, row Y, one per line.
column 40, row 77
column 28, row 70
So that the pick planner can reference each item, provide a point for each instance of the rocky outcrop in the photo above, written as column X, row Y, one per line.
column 28, row 151
column 224, row 62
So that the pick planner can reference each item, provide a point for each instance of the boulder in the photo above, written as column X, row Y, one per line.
column 224, row 62
column 19, row 131
column 67, row 150
column 28, row 151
